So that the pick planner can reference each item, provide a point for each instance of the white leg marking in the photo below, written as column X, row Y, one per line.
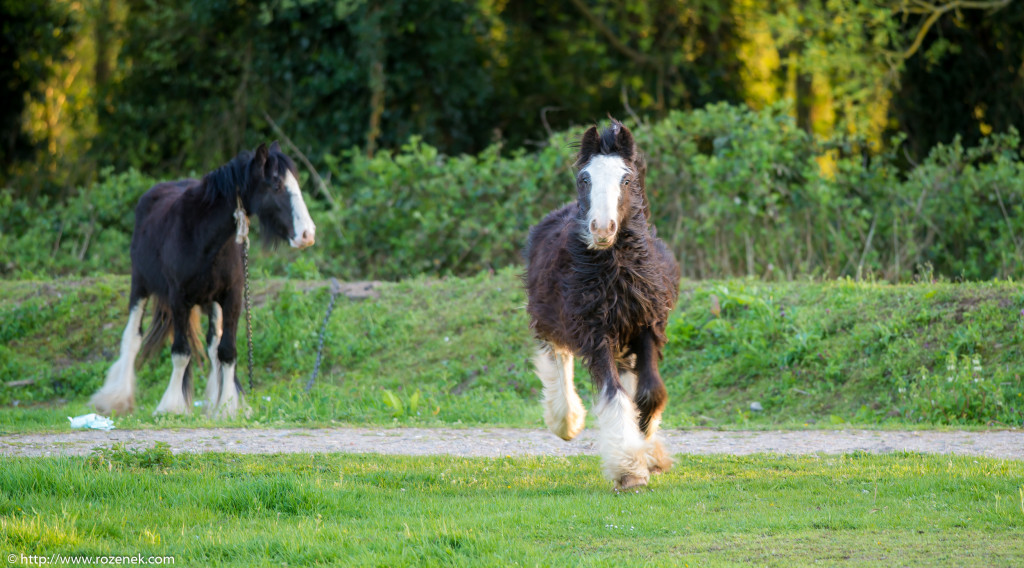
column 213, row 383
column 305, row 230
column 621, row 445
column 657, row 460
column 230, row 399
column 563, row 410
column 118, row 391
column 627, row 378
column 173, row 401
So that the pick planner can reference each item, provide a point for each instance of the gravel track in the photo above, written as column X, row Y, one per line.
column 495, row 442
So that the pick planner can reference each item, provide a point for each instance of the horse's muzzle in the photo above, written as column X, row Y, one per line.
column 306, row 240
column 602, row 235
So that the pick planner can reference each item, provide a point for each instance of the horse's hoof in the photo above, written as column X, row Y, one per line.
column 629, row 481
column 657, row 460
column 120, row 407
column 567, row 431
column 568, row 426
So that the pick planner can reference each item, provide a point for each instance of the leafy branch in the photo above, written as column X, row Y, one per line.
column 935, row 12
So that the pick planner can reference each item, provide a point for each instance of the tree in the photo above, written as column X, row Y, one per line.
column 965, row 78
column 34, row 35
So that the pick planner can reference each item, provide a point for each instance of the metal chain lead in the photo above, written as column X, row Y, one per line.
column 335, row 289
column 248, row 307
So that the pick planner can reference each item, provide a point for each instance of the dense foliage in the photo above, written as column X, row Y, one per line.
column 32, row 36
column 167, row 87
column 735, row 192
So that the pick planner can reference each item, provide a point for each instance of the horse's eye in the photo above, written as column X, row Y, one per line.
column 627, row 180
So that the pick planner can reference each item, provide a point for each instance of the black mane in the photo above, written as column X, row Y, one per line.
column 229, row 180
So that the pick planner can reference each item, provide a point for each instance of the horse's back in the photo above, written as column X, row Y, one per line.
column 158, row 200
column 550, row 234
column 670, row 271
column 156, row 227
column 547, row 265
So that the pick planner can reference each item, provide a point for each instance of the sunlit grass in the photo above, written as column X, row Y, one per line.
column 901, row 509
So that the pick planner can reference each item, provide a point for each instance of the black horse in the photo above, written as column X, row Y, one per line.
column 187, row 252
column 600, row 286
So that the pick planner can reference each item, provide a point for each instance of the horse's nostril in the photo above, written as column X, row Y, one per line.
column 611, row 226
column 593, row 226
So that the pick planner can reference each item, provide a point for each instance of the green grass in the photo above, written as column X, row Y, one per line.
column 456, row 351
column 224, row 509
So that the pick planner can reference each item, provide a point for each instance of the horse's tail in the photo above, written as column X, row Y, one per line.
column 163, row 326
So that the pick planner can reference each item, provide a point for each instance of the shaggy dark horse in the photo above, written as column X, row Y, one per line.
column 600, row 286
column 186, row 251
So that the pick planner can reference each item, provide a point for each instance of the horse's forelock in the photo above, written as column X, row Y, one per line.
column 613, row 140
column 283, row 163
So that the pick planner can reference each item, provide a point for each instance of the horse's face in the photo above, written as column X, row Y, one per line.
column 277, row 199
column 609, row 183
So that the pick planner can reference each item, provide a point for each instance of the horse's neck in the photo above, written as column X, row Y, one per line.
column 629, row 253
column 213, row 217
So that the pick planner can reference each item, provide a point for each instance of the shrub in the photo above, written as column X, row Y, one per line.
column 960, row 395
column 734, row 192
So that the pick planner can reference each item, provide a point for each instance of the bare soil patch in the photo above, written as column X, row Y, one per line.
column 498, row 442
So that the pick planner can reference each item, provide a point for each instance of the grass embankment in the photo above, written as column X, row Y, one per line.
column 457, row 352
column 233, row 510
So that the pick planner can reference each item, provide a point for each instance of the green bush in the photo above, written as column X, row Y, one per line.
column 88, row 234
column 961, row 395
column 734, row 192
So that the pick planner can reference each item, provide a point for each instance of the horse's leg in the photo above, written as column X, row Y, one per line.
column 175, row 399
column 650, row 397
column 213, row 335
column 621, row 445
column 231, row 399
column 563, row 410
column 118, row 391
column 627, row 375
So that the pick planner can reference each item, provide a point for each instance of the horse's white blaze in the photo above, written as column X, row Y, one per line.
column 563, row 410
column 173, row 401
column 213, row 384
column 605, row 192
column 118, row 392
column 305, row 230
column 621, row 445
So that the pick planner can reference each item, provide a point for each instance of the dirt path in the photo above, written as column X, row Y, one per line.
column 494, row 442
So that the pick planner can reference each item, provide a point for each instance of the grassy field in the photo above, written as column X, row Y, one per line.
column 366, row 510
column 456, row 351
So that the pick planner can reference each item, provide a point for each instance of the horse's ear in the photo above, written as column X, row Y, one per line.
column 275, row 147
column 624, row 141
column 589, row 145
column 259, row 161
column 260, row 157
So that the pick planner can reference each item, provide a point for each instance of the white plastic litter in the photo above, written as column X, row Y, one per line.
column 94, row 421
